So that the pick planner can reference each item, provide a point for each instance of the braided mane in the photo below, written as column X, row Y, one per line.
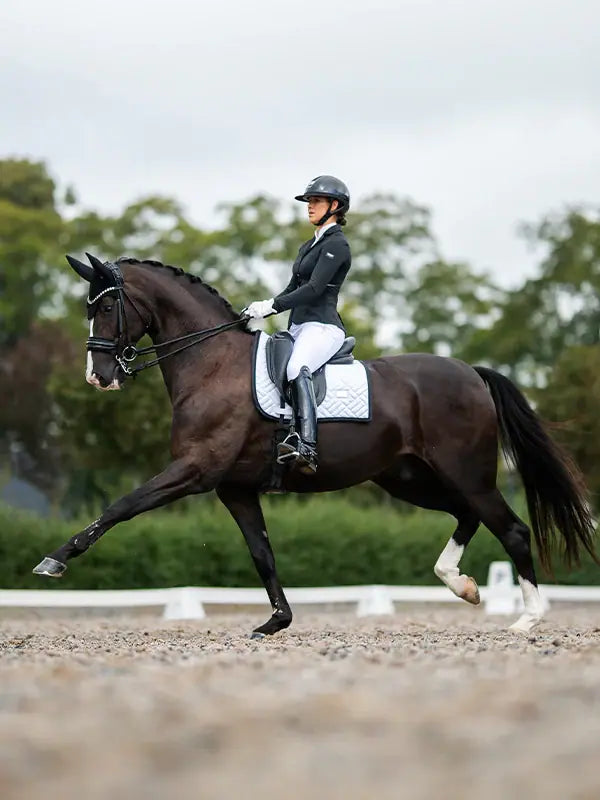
column 177, row 272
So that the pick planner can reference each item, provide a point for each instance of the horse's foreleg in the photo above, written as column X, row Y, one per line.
column 177, row 480
column 244, row 506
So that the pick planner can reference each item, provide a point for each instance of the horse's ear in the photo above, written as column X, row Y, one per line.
column 100, row 268
column 85, row 272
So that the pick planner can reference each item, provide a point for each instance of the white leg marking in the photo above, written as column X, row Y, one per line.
column 89, row 367
column 446, row 569
column 534, row 609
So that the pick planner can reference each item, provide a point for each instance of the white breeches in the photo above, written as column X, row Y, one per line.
column 315, row 344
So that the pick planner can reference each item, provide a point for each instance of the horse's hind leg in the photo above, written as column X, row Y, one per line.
column 513, row 533
column 421, row 486
column 446, row 567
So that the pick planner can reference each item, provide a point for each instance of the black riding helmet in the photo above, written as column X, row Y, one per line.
column 327, row 186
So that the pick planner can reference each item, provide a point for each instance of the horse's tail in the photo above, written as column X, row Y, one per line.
column 557, row 498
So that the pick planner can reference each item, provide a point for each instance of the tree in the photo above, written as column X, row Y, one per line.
column 449, row 305
column 571, row 400
column 30, row 233
column 560, row 307
column 26, row 409
column 390, row 239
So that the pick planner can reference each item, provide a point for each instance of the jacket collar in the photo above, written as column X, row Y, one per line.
column 312, row 242
column 329, row 231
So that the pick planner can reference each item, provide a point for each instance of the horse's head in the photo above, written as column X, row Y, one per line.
column 116, row 322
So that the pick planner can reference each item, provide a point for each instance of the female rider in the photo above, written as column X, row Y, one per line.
column 318, row 272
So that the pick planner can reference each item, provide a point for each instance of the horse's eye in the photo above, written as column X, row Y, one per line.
column 106, row 309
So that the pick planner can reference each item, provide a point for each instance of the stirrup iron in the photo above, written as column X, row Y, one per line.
column 289, row 449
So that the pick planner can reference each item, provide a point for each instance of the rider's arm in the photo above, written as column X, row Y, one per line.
column 293, row 284
column 332, row 256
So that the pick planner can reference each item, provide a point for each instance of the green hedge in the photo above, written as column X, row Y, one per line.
column 321, row 541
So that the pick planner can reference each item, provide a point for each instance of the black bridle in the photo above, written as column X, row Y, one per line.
column 125, row 352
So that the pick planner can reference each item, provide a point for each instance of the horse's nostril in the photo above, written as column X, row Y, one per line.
column 103, row 383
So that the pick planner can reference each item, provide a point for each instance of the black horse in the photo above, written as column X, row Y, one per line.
column 432, row 440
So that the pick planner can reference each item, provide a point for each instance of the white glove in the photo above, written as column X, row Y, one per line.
column 259, row 309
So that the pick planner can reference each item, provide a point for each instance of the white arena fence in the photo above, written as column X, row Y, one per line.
column 500, row 596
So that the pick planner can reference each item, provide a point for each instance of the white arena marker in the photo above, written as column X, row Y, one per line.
column 184, row 604
column 377, row 601
column 500, row 596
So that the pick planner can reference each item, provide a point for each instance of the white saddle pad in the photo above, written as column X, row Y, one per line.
column 348, row 395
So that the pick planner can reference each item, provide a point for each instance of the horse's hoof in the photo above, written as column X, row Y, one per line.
column 471, row 592
column 51, row 567
column 257, row 635
column 524, row 624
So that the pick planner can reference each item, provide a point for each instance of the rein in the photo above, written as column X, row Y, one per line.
column 128, row 353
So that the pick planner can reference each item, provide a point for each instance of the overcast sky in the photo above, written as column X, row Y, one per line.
column 487, row 111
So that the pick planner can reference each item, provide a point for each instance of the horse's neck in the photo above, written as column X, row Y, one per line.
column 183, row 314
column 176, row 312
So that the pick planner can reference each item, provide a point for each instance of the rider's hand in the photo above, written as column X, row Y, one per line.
column 259, row 309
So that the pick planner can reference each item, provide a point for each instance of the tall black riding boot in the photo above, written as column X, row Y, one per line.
column 300, row 445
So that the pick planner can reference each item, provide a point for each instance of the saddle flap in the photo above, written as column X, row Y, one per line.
column 278, row 351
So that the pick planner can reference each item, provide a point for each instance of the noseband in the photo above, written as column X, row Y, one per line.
column 124, row 351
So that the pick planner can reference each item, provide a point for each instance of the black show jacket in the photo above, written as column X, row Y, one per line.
column 318, row 272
